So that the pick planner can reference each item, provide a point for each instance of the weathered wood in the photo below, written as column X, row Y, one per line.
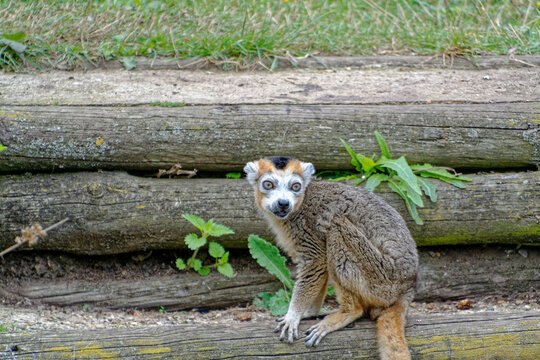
column 224, row 138
column 332, row 62
column 488, row 335
column 117, row 212
column 447, row 273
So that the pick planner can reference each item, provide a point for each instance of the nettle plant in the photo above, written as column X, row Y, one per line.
column 215, row 250
column 269, row 257
column 408, row 181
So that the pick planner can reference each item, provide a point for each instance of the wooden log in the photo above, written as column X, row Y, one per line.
column 488, row 335
column 445, row 274
column 332, row 62
column 118, row 213
column 224, row 138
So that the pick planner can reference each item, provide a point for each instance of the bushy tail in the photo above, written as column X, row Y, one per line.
column 391, row 332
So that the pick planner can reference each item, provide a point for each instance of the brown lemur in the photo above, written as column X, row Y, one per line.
column 343, row 233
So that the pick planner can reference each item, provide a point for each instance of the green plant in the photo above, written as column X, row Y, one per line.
column 268, row 256
column 168, row 103
column 161, row 309
column 233, row 175
column 407, row 181
column 2, row 147
column 215, row 250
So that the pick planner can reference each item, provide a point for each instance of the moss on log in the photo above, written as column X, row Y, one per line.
column 118, row 213
column 445, row 273
column 224, row 138
column 488, row 335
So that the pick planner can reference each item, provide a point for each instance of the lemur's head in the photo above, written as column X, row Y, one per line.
column 279, row 183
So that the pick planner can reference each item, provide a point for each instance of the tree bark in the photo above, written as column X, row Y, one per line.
column 118, row 213
column 224, row 138
column 444, row 274
column 488, row 335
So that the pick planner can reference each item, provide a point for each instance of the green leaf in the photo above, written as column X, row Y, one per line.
column 428, row 188
column 382, row 144
column 13, row 45
column 18, row 36
column 215, row 250
column 208, row 226
column 224, row 258
column 204, row 271
column 330, row 291
column 355, row 161
column 194, row 242
column 196, row 264
column 279, row 303
column 180, row 264
column 274, row 63
column 262, row 300
column 129, row 62
column 404, row 172
column 374, row 180
column 413, row 212
column 410, row 205
column 2, row 147
column 226, row 269
column 268, row 256
column 233, row 175
column 219, row 230
column 195, row 221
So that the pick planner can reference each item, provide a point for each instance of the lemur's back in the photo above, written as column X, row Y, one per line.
column 380, row 223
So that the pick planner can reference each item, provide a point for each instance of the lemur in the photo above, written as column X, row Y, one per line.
column 343, row 233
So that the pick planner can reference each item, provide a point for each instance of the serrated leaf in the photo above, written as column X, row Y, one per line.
column 195, row 221
column 180, row 264
column 224, row 258
column 262, row 300
column 215, row 250
column 374, row 180
column 196, row 264
column 279, row 302
column 219, row 230
column 208, row 226
column 268, row 256
column 204, row 271
column 404, row 172
column 382, row 145
column 226, row 269
column 194, row 242
column 428, row 188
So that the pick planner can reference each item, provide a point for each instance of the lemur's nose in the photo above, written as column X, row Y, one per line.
column 283, row 203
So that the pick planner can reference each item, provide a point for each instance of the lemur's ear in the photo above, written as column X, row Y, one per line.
column 251, row 169
column 308, row 170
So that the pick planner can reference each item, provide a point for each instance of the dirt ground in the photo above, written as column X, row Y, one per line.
column 25, row 314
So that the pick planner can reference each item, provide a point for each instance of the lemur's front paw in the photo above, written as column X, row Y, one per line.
column 315, row 334
column 289, row 327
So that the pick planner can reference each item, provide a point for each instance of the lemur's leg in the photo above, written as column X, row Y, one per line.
column 307, row 297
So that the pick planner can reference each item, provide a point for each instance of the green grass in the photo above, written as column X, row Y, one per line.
column 239, row 33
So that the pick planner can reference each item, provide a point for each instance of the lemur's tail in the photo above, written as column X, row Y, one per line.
column 391, row 332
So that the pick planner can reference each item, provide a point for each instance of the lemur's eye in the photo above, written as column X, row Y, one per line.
column 268, row 185
column 296, row 187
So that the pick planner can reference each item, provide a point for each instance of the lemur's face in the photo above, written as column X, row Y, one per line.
column 279, row 183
